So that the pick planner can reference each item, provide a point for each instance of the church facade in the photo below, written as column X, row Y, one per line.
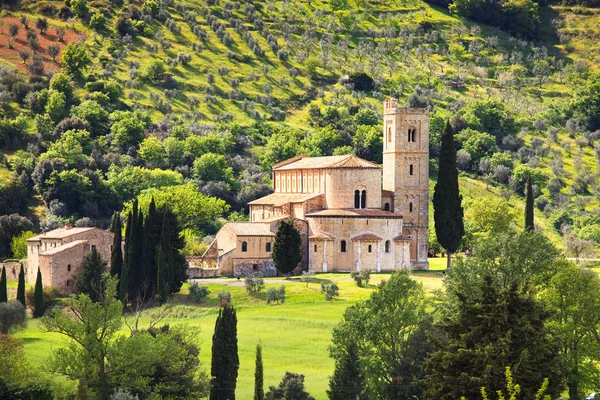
column 352, row 214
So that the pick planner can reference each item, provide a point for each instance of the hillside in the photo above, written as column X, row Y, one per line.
column 173, row 87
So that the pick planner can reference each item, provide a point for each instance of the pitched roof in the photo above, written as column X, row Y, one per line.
column 387, row 193
column 250, row 228
column 321, row 236
column 64, row 247
column 60, row 233
column 279, row 199
column 368, row 236
column 354, row 213
column 302, row 162
column 402, row 238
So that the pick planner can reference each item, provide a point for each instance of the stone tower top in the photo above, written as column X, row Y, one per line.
column 390, row 106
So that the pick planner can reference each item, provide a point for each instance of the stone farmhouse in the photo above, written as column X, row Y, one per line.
column 352, row 214
column 59, row 254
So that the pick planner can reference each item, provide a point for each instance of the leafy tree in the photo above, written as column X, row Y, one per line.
column 487, row 215
column 586, row 105
column 21, row 286
column 129, row 182
column 447, row 208
column 80, row 7
column 290, row 387
column 491, row 116
column 381, row 328
column 20, row 380
column 38, row 305
column 116, row 256
column 13, row 31
column 53, row 51
column 347, row 380
column 368, row 143
column 10, row 226
column 282, row 145
column 287, row 248
column 94, row 114
column 91, row 277
column 259, row 393
column 41, row 24
column 128, row 128
column 98, row 21
column 18, row 244
column 225, row 360
column 477, row 144
column 3, row 286
column 521, row 17
column 154, row 71
column 13, row 317
column 323, row 141
column 529, row 224
column 212, row 167
column 209, row 143
column 573, row 297
column 75, row 58
column 152, row 151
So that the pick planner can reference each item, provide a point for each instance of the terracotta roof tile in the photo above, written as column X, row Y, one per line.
column 250, row 228
column 60, row 233
column 64, row 247
column 368, row 236
column 402, row 238
column 301, row 162
column 354, row 213
column 279, row 199
column 321, row 236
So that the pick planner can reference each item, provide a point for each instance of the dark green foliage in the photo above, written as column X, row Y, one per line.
column 287, row 251
column 163, row 264
column 124, row 278
column 225, row 361
column 137, row 282
column 291, row 387
column 11, row 225
column 21, row 286
column 490, row 328
column 448, row 211
column 91, row 277
column 29, row 391
column 586, row 105
column 347, row 379
column 3, row 287
column 529, row 223
column 259, row 392
column 13, row 316
column 362, row 82
column 116, row 256
column 198, row 293
column 38, row 305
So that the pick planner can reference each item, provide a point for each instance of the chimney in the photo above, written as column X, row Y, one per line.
column 68, row 226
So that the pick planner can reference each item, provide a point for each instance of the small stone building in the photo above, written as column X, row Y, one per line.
column 352, row 214
column 59, row 254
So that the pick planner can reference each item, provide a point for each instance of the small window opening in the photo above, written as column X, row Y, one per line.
column 363, row 199
column 343, row 246
column 315, row 248
column 255, row 267
column 386, row 207
column 244, row 246
column 69, row 267
column 410, row 207
column 268, row 247
column 410, row 169
column 387, row 246
column 370, row 249
column 356, row 199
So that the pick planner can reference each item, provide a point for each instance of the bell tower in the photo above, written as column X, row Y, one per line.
column 406, row 173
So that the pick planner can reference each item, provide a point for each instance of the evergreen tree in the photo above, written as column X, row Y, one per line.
column 287, row 249
column 225, row 361
column 176, row 273
column 152, row 239
column 259, row 392
column 38, row 307
column 137, row 286
column 3, row 287
column 447, row 208
column 162, row 261
column 347, row 380
column 21, row 287
column 116, row 256
column 529, row 225
column 124, row 279
column 91, row 276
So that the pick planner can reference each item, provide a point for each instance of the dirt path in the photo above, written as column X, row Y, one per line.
column 233, row 281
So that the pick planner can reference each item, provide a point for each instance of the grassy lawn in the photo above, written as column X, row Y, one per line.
column 295, row 335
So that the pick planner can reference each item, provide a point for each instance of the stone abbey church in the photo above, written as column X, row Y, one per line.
column 352, row 214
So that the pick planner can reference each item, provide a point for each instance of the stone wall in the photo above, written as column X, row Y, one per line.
column 248, row 266
column 12, row 270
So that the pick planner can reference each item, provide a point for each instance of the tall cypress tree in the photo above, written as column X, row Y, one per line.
column 21, row 286
column 152, row 238
column 287, row 249
column 136, row 281
column 116, row 256
column 176, row 274
column 225, row 361
column 447, row 208
column 38, row 307
column 529, row 224
column 347, row 379
column 162, row 262
column 259, row 392
column 3, row 287
column 124, row 279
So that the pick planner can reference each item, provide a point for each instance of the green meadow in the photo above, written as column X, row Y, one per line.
column 295, row 335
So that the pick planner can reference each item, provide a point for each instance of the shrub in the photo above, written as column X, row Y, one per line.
column 13, row 316
column 330, row 290
column 224, row 298
column 254, row 283
column 361, row 277
column 52, row 296
column 276, row 295
column 198, row 293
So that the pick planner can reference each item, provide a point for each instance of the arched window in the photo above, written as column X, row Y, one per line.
column 412, row 132
column 268, row 247
column 356, row 199
column 409, row 207
column 389, row 138
column 370, row 249
column 410, row 169
column 244, row 246
column 69, row 267
column 343, row 246
column 386, row 207
column 387, row 246
column 315, row 248
column 363, row 199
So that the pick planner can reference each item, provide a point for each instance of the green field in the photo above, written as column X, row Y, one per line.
column 295, row 335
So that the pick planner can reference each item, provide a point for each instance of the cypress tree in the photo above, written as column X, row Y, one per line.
column 152, row 238
column 162, row 262
column 347, row 379
column 287, row 249
column 176, row 274
column 448, row 211
column 38, row 307
column 259, row 392
column 136, row 280
column 91, row 275
column 225, row 361
column 3, row 287
column 116, row 256
column 124, row 279
column 21, row 286
column 529, row 225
